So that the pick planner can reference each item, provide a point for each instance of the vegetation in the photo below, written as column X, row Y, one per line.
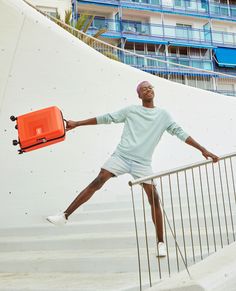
column 83, row 24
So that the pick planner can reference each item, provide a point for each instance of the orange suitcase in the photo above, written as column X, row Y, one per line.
column 39, row 129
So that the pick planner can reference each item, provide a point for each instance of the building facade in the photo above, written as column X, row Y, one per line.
column 52, row 7
column 196, row 33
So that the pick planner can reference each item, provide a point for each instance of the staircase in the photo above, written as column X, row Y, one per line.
column 96, row 250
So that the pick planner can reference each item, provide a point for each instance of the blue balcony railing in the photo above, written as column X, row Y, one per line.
column 156, row 65
column 225, row 92
column 223, row 10
column 204, row 8
column 164, row 33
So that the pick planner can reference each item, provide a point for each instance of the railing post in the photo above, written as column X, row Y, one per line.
column 137, row 239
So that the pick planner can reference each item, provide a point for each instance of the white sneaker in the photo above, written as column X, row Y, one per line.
column 161, row 252
column 59, row 219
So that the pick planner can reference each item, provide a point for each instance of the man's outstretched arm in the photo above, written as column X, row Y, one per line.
column 116, row 117
column 70, row 124
column 175, row 129
column 205, row 152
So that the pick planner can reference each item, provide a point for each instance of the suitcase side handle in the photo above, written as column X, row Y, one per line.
column 65, row 125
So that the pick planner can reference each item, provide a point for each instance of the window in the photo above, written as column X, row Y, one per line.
column 129, row 60
column 225, row 87
column 145, row 28
column 131, row 26
column 184, row 62
column 154, row 2
column 172, row 50
column 117, row 21
column 195, row 52
column 183, row 25
column 152, row 63
column 99, row 22
column 139, row 48
column 151, row 50
column 188, row 3
column 183, row 30
column 204, row 4
column 161, row 50
column 205, row 53
column 183, row 51
column 221, row 1
column 197, row 64
column 140, row 61
column 52, row 11
column 129, row 46
column 200, row 82
column 178, row 3
column 177, row 79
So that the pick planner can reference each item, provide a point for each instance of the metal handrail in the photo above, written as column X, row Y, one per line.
column 198, row 203
column 176, row 170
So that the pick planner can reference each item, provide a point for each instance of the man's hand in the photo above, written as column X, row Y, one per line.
column 70, row 124
column 207, row 155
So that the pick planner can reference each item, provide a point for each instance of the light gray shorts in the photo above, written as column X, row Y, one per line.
column 118, row 165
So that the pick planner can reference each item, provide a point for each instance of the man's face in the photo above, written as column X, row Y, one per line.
column 146, row 92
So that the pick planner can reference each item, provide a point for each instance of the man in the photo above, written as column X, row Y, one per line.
column 143, row 127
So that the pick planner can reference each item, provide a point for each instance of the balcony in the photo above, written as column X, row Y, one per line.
column 157, row 66
column 198, row 8
column 158, row 33
column 231, row 93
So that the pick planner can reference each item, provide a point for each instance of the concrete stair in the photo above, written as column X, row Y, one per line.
column 96, row 250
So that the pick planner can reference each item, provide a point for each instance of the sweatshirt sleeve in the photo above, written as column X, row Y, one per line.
column 115, row 117
column 175, row 129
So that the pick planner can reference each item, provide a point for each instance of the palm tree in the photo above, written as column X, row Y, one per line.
column 83, row 24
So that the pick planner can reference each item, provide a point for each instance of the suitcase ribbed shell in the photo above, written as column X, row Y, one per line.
column 40, row 128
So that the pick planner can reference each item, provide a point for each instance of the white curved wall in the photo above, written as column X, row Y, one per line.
column 43, row 65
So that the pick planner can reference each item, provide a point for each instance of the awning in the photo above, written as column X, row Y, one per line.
column 225, row 57
column 190, row 44
column 152, row 41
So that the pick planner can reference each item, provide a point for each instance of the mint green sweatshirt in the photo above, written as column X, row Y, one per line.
column 143, row 129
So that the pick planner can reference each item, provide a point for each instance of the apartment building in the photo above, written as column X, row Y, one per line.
column 196, row 33
column 52, row 7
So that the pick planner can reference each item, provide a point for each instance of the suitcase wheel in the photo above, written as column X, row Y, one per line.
column 15, row 142
column 16, row 126
column 13, row 118
column 20, row 152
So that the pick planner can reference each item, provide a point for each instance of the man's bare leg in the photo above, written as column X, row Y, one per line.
column 88, row 192
column 85, row 195
column 156, row 209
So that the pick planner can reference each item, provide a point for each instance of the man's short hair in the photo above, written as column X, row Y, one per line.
column 139, row 86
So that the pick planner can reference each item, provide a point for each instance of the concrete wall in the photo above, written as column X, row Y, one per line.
column 43, row 65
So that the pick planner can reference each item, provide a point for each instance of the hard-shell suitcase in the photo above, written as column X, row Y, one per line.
column 39, row 129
